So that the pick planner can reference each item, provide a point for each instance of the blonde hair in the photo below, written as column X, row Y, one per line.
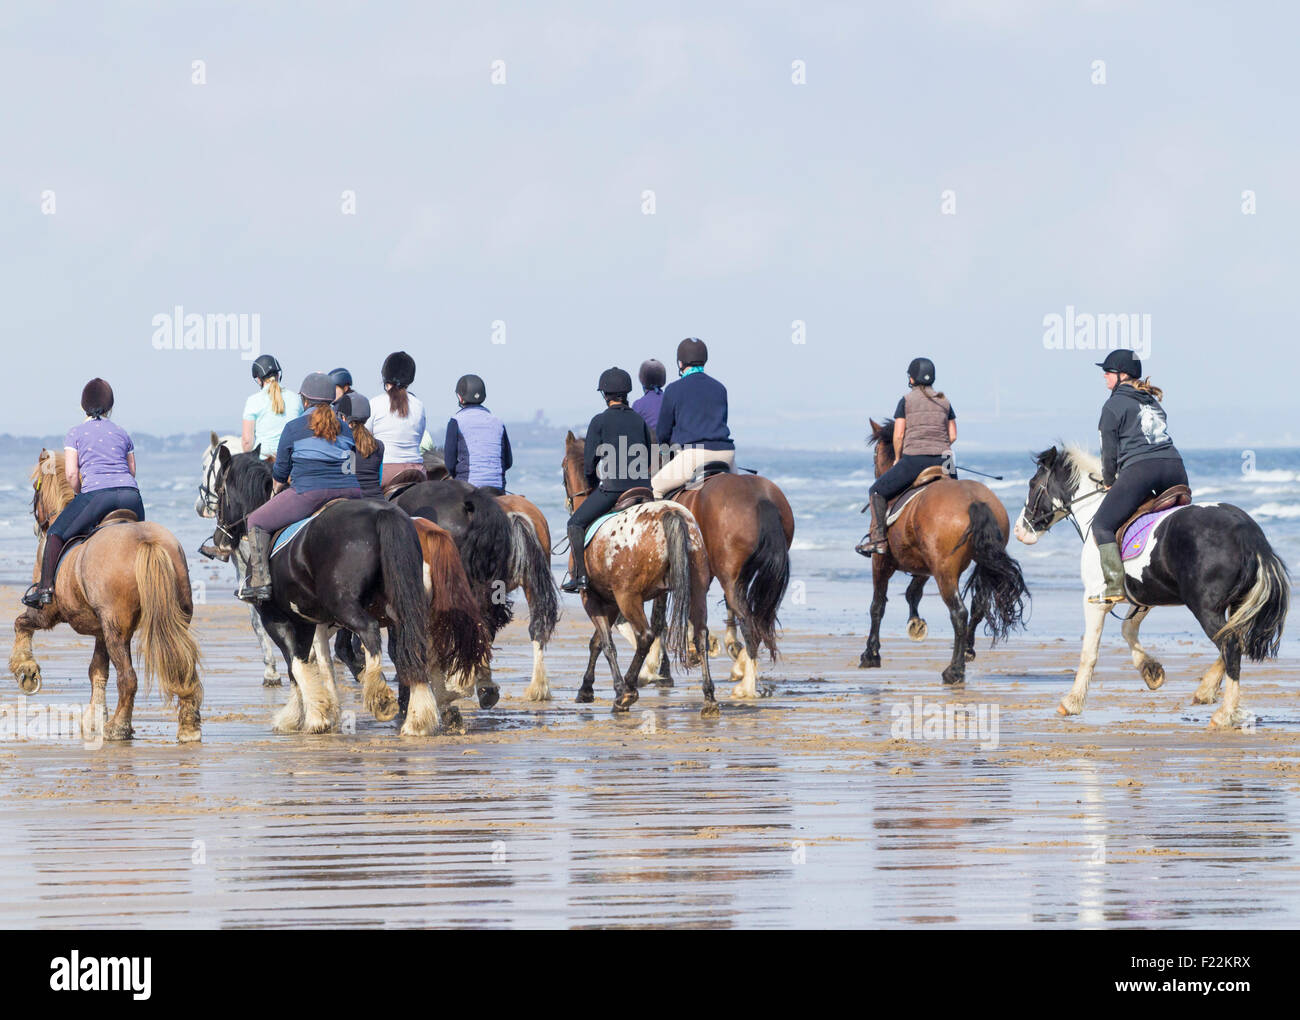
column 277, row 398
column 1145, row 386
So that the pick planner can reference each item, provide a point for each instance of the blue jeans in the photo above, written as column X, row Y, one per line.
column 89, row 508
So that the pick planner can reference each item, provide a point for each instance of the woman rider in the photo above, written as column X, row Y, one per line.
column 99, row 463
column 268, row 410
column 616, row 458
column 316, row 450
column 477, row 446
column 1138, row 460
column 692, row 420
column 355, row 409
column 342, row 384
column 397, row 416
column 653, row 377
column 925, row 428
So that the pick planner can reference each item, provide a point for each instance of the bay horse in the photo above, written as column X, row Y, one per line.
column 652, row 549
column 1212, row 558
column 747, row 526
column 206, row 506
column 944, row 528
column 358, row 565
column 125, row 579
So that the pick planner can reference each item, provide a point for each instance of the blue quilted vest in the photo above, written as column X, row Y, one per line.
column 481, row 433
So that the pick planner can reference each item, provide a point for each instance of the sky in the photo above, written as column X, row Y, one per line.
column 837, row 188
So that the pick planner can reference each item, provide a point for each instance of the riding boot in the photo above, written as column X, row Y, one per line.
column 578, row 577
column 1112, row 569
column 256, row 546
column 876, row 542
column 42, row 593
column 213, row 552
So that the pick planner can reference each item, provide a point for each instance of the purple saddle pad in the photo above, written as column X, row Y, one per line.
column 1139, row 533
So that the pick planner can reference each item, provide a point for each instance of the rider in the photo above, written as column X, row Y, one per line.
column 693, row 420
column 342, row 383
column 653, row 377
column 477, row 448
column 316, row 449
column 99, row 464
column 397, row 416
column 925, row 428
column 616, row 458
column 1138, row 460
column 268, row 410
column 355, row 409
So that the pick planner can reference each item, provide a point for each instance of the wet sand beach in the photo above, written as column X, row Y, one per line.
column 805, row 808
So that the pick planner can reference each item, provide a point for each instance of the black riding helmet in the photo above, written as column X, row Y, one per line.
column 653, row 374
column 341, row 377
column 692, row 351
column 614, row 382
column 1122, row 360
column 921, row 370
column 354, row 407
column 266, row 367
column 399, row 369
column 471, row 389
column 97, row 398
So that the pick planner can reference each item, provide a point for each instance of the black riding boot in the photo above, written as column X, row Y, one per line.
column 257, row 550
column 578, row 578
column 42, row 593
column 875, row 542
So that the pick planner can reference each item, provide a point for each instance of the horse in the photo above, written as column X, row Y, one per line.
column 651, row 549
column 206, row 506
column 530, row 569
column 1212, row 558
column 126, row 578
column 747, row 526
column 358, row 565
column 945, row 527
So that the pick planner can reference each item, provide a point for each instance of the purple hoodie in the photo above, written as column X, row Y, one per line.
column 648, row 407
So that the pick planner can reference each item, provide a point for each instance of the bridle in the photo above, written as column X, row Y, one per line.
column 569, row 497
column 207, row 493
column 1056, row 510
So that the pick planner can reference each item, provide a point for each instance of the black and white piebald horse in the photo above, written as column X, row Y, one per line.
column 1210, row 557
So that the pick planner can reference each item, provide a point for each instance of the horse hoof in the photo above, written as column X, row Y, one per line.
column 869, row 661
column 917, row 629
column 488, row 696
column 29, row 679
column 713, row 646
column 191, row 736
column 1153, row 674
column 585, row 697
column 272, row 681
column 952, row 677
column 1065, row 710
column 118, row 732
column 537, row 694
column 452, row 721
column 970, row 654
column 711, row 710
column 734, row 648
column 626, row 700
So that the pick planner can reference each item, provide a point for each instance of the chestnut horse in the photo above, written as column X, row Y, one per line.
column 533, row 575
column 747, row 527
column 651, row 549
column 943, row 529
column 125, row 578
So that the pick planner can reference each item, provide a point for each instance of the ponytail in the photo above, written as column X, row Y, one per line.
column 1145, row 386
column 929, row 391
column 324, row 423
column 397, row 402
column 277, row 398
column 365, row 442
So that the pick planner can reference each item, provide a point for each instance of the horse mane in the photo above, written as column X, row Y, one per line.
column 62, row 488
column 248, row 482
column 885, row 436
column 1079, row 464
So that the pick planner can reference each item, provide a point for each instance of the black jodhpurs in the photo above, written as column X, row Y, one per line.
column 1134, row 485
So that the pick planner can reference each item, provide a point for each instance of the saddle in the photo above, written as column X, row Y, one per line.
column 1146, row 517
column 400, row 482
column 702, row 474
column 896, row 505
column 632, row 497
column 281, row 538
column 122, row 516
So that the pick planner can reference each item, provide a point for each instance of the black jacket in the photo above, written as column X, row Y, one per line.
column 1133, row 428
column 617, row 453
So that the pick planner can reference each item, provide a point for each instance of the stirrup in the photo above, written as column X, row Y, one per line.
column 247, row 593
column 869, row 548
column 1107, row 600
column 574, row 585
column 37, row 597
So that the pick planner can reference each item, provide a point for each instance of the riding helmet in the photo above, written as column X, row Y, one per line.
column 354, row 407
column 614, row 382
column 266, row 367
column 692, row 351
column 317, row 388
column 471, row 389
column 921, row 371
column 97, row 398
column 341, row 377
column 653, row 374
column 1122, row 360
column 399, row 369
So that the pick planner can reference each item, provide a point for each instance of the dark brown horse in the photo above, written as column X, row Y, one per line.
column 126, row 578
column 649, row 550
column 748, row 527
column 943, row 529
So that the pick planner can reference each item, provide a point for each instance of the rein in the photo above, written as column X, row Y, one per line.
column 1066, row 510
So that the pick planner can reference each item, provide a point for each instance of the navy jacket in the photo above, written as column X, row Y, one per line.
column 694, row 413
column 617, row 450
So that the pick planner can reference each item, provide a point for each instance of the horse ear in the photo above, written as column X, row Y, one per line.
column 223, row 456
column 1048, row 457
column 256, row 451
column 570, row 437
column 216, row 440
column 875, row 428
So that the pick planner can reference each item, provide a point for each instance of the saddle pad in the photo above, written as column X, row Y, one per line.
column 595, row 527
column 1138, row 535
column 284, row 537
column 896, row 508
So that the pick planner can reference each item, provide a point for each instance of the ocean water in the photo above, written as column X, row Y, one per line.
column 831, row 584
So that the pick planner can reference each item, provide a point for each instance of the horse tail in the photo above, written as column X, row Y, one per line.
column 530, row 568
column 765, row 575
column 400, row 562
column 457, row 635
column 1258, row 620
column 996, row 585
column 167, row 648
column 677, row 540
column 485, row 552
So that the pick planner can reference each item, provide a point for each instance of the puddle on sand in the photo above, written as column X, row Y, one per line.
column 799, row 809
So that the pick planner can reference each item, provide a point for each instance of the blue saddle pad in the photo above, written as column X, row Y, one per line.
column 286, row 536
column 595, row 527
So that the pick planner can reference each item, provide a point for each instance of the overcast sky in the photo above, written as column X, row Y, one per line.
column 126, row 189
